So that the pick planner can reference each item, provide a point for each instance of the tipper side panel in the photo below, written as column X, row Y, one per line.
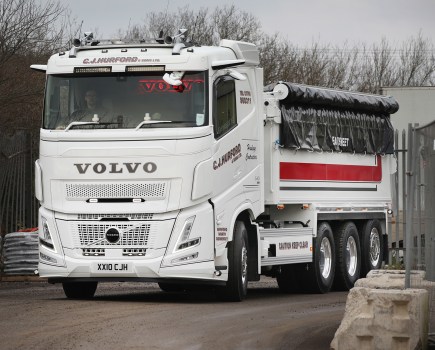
column 328, row 145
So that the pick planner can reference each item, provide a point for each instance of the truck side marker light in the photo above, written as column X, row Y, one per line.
column 280, row 206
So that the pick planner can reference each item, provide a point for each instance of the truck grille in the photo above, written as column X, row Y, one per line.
column 95, row 234
column 147, row 190
column 139, row 216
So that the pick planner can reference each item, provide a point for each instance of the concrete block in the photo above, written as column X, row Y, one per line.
column 380, row 317
column 389, row 279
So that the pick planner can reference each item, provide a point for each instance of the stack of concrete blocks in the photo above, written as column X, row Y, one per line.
column 381, row 314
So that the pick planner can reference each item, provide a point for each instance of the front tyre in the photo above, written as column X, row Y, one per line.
column 79, row 290
column 372, row 246
column 348, row 263
column 237, row 284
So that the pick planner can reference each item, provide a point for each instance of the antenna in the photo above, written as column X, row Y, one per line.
column 194, row 28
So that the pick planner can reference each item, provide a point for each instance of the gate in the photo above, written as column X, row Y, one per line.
column 18, row 205
column 419, row 207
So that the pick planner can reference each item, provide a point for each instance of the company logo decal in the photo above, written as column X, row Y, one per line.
column 119, row 60
column 115, row 168
column 112, row 235
column 232, row 155
column 158, row 85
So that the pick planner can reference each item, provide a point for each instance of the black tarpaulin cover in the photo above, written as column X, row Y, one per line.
column 320, row 119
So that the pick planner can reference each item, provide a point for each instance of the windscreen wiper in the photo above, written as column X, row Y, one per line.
column 73, row 124
column 145, row 122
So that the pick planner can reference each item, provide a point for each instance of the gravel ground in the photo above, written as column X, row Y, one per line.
column 36, row 315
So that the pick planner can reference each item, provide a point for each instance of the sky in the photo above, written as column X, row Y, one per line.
column 300, row 21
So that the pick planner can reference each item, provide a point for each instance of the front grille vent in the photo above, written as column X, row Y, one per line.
column 140, row 216
column 131, row 235
column 146, row 190
column 94, row 252
column 134, row 252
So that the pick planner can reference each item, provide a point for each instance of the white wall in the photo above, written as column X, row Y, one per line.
column 416, row 105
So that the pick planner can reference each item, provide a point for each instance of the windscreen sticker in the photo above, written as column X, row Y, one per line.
column 199, row 119
column 146, row 86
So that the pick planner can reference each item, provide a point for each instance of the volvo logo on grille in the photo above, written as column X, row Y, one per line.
column 112, row 235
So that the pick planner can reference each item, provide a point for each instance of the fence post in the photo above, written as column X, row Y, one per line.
column 411, row 164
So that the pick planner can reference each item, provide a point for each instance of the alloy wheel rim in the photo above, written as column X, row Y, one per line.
column 351, row 256
column 374, row 247
column 325, row 257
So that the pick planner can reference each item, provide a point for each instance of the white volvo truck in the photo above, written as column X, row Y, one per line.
column 184, row 170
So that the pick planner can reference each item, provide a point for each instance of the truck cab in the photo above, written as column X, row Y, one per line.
column 149, row 152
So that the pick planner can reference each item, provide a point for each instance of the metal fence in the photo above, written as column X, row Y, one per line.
column 18, row 206
column 420, row 213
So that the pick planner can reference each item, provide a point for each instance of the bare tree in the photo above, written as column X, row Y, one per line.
column 29, row 32
column 417, row 62
column 205, row 27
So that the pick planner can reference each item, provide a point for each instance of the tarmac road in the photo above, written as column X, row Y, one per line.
column 36, row 315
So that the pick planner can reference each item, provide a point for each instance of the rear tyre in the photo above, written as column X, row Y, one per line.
column 79, row 290
column 372, row 246
column 318, row 276
column 237, row 284
column 322, row 270
column 348, row 262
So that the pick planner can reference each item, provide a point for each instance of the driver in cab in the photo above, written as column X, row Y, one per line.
column 92, row 107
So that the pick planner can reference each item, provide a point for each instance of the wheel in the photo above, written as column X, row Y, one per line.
column 170, row 287
column 288, row 279
column 79, row 290
column 322, row 274
column 318, row 276
column 237, row 284
column 372, row 246
column 348, row 262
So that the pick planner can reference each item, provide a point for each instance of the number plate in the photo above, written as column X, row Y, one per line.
column 110, row 267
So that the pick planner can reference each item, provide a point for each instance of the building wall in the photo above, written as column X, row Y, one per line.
column 416, row 105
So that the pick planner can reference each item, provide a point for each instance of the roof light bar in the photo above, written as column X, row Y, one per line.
column 92, row 69
column 145, row 68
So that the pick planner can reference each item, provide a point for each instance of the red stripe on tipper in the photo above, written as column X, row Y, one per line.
column 331, row 172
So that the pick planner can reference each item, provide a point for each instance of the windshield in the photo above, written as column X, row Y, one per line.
column 124, row 101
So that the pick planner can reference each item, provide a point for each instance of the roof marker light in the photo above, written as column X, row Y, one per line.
column 92, row 69
column 145, row 69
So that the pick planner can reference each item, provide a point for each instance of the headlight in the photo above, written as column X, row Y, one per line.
column 45, row 236
column 184, row 241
